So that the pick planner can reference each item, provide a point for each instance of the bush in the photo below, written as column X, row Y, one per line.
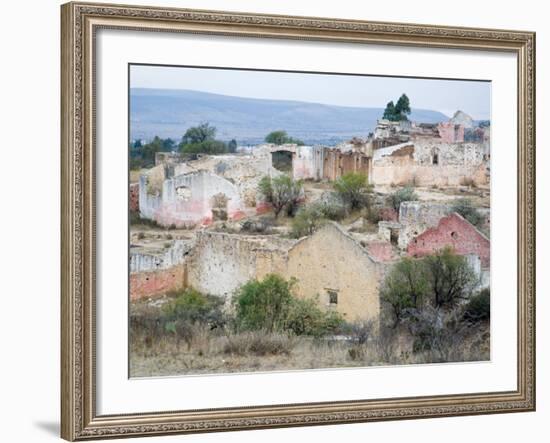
column 354, row 189
column 259, row 343
column 332, row 210
column 436, row 331
column 478, row 307
column 263, row 305
column 191, row 307
column 307, row 221
column 466, row 209
column 402, row 195
column 306, row 318
column 282, row 192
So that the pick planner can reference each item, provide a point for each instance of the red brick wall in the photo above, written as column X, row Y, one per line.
column 134, row 197
column 453, row 231
column 150, row 284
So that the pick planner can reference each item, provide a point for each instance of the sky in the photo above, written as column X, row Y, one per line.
column 446, row 96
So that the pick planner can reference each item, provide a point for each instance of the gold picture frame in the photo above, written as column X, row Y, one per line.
column 80, row 21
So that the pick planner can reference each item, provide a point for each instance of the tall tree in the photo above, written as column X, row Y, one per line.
column 389, row 112
column 403, row 107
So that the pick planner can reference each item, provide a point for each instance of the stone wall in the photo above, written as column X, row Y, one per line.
column 430, row 162
column 220, row 263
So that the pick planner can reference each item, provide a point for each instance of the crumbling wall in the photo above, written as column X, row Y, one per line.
column 155, row 283
column 415, row 217
column 332, row 261
column 220, row 263
column 187, row 199
column 307, row 162
column 452, row 230
column 432, row 162
column 337, row 163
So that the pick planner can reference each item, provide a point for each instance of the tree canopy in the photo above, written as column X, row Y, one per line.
column 399, row 111
column 281, row 138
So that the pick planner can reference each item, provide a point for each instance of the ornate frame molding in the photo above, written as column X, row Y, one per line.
column 79, row 420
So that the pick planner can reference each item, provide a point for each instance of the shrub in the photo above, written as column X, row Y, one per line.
column 259, row 343
column 263, row 305
column 436, row 331
column 465, row 208
column 191, row 306
column 332, row 210
column 306, row 318
column 282, row 192
column 478, row 307
column 401, row 195
column 307, row 221
column 354, row 189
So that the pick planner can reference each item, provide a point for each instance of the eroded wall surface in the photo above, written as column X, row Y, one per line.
column 331, row 261
column 456, row 232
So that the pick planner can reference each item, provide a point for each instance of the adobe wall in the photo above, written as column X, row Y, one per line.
column 331, row 260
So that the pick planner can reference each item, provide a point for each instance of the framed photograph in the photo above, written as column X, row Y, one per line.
column 277, row 221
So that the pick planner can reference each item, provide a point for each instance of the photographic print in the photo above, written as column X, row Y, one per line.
column 295, row 220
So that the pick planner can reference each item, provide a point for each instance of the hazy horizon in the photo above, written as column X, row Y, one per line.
column 351, row 91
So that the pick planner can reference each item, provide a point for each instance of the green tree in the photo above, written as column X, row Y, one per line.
column 354, row 189
column 402, row 107
column 389, row 112
column 199, row 134
column 263, row 304
column 281, row 138
column 398, row 111
column 450, row 277
column 281, row 192
column 405, row 287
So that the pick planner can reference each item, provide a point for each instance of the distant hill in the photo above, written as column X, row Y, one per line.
column 168, row 113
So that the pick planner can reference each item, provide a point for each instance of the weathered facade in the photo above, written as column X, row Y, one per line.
column 188, row 199
column 157, row 271
column 329, row 266
column 332, row 266
column 456, row 232
column 338, row 163
column 430, row 161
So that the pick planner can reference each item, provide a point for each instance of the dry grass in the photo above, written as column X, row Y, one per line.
column 209, row 352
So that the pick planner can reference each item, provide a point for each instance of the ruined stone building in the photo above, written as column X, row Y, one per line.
column 329, row 266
